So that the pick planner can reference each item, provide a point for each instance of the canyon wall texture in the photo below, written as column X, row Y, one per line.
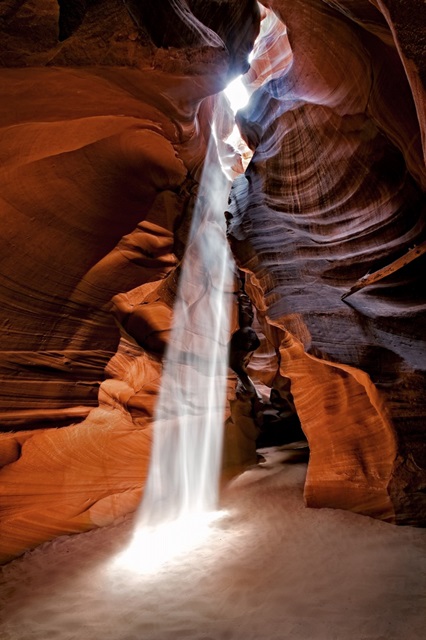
column 104, row 120
column 338, row 181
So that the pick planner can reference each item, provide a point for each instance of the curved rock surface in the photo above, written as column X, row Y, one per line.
column 335, row 189
column 101, row 147
column 103, row 137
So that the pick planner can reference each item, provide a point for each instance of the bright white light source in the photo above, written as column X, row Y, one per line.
column 237, row 94
column 152, row 547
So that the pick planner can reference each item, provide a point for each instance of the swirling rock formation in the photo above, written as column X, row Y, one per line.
column 336, row 181
column 103, row 134
column 101, row 149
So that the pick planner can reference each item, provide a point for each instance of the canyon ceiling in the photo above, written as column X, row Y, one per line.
column 105, row 116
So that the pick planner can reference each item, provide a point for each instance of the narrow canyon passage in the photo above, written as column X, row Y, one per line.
column 107, row 114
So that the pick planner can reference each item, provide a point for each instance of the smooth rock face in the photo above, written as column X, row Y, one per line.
column 103, row 137
column 333, row 191
column 101, row 150
column 72, row 201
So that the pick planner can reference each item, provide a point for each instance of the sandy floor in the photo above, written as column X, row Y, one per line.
column 269, row 570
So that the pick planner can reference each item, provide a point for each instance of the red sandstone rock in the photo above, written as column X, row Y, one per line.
column 100, row 155
column 102, row 140
column 337, row 136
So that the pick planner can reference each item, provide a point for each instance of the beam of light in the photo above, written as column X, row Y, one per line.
column 181, row 493
column 237, row 94
column 152, row 548
column 186, row 455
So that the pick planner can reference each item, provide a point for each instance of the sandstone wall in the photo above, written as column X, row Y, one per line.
column 103, row 131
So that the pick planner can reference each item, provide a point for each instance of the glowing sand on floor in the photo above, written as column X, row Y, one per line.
column 269, row 570
column 153, row 547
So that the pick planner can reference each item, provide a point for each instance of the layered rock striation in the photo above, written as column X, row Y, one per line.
column 103, row 139
column 335, row 190
column 105, row 116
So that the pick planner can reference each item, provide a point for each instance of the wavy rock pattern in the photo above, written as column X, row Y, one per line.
column 334, row 189
column 103, row 138
column 101, row 152
column 87, row 238
column 85, row 176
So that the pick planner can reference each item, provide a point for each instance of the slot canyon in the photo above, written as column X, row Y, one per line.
column 107, row 115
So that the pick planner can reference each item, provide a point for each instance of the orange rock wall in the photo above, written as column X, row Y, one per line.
column 102, row 147
column 335, row 189
column 103, row 136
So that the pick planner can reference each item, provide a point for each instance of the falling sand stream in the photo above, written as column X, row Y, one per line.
column 181, row 492
column 183, row 475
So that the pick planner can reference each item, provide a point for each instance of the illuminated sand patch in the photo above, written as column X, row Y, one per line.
column 153, row 547
column 270, row 569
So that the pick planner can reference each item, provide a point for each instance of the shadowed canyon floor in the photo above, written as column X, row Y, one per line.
column 270, row 570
